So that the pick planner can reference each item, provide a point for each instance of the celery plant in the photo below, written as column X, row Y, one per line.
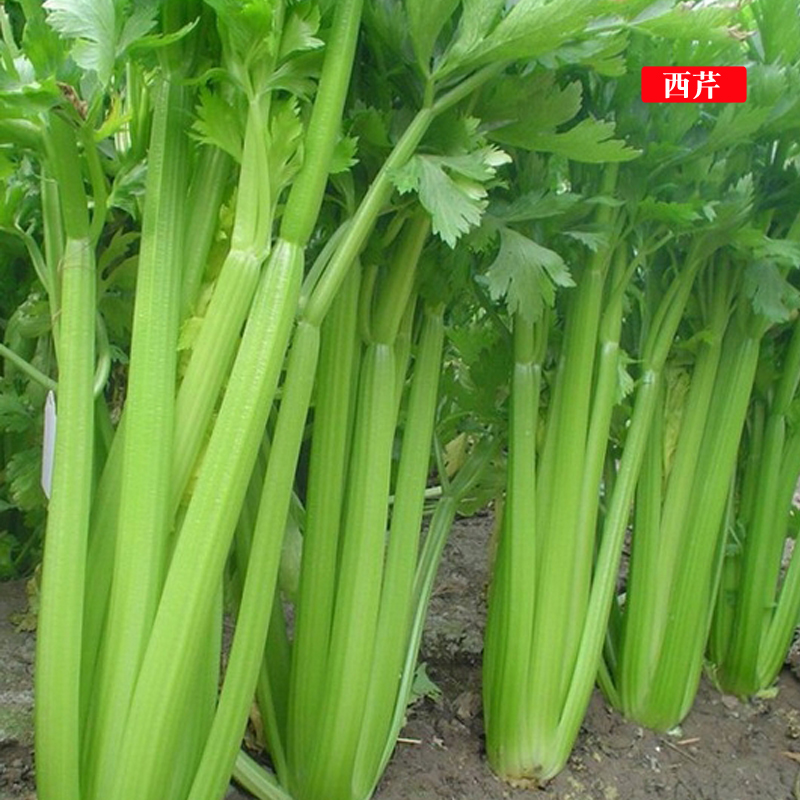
column 754, row 625
column 757, row 609
column 678, row 537
column 556, row 569
column 683, row 509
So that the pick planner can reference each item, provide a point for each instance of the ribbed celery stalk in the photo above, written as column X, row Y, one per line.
column 559, row 607
column 333, row 414
column 681, row 663
column 58, row 652
column 657, row 551
column 206, row 194
column 217, row 340
column 658, row 342
column 354, row 603
column 154, row 723
column 674, row 578
column 478, row 462
column 211, row 357
column 536, row 619
column 54, row 240
column 356, row 606
column 402, row 555
column 262, row 569
column 272, row 688
column 512, row 599
column 760, row 630
column 144, row 513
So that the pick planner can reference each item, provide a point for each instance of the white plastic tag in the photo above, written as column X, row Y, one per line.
column 49, row 442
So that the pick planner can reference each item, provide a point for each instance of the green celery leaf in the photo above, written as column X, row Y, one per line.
column 423, row 686
column 41, row 44
column 518, row 108
column 128, row 188
column 534, row 205
column 372, row 127
column 116, row 119
column 31, row 319
column 21, row 94
column 736, row 124
column 771, row 295
column 480, row 165
column 425, row 20
column 299, row 31
column 455, row 132
column 218, row 124
column 286, row 133
column 526, row 274
column 455, row 205
column 15, row 415
column 778, row 29
column 604, row 54
column 477, row 18
column 532, row 28
column 589, row 141
column 450, row 188
column 92, row 23
column 247, row 28
column 625, row 381
column 23, row 473
column 687, row 21
column 679, row 215
column 158, row 40
column 138, row 24
column 782, row 252
column 344, row 155
column 116, row 250
column 117, row 310
column 594, row 240
column 297, row 75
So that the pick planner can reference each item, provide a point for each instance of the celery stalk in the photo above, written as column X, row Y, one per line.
column 58, row 650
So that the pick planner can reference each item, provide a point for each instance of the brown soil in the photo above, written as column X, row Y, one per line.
column 725, row 749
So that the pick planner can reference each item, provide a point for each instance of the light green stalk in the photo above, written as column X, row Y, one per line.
column 695, row 584
column 333, row 414
column 396, row 603
column 535, row 620
column 207, row 192
column 654, row 564
column 355, row 614
column 761, row 631
column 208, row 366
column 512, row 599
column 154, row 723
column 58, row 653
column 203, row 542
column 144, row 513
column 262, row 569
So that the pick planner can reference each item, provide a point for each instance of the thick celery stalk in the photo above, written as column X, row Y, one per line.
column 144, row 526
column 755, row 619
column 675, row 574
column 58, row 653
column 536, row 619
column 509, row 624
column 204, row 539
column 262, row 569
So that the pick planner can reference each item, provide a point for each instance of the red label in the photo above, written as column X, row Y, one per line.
column 694, row 84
